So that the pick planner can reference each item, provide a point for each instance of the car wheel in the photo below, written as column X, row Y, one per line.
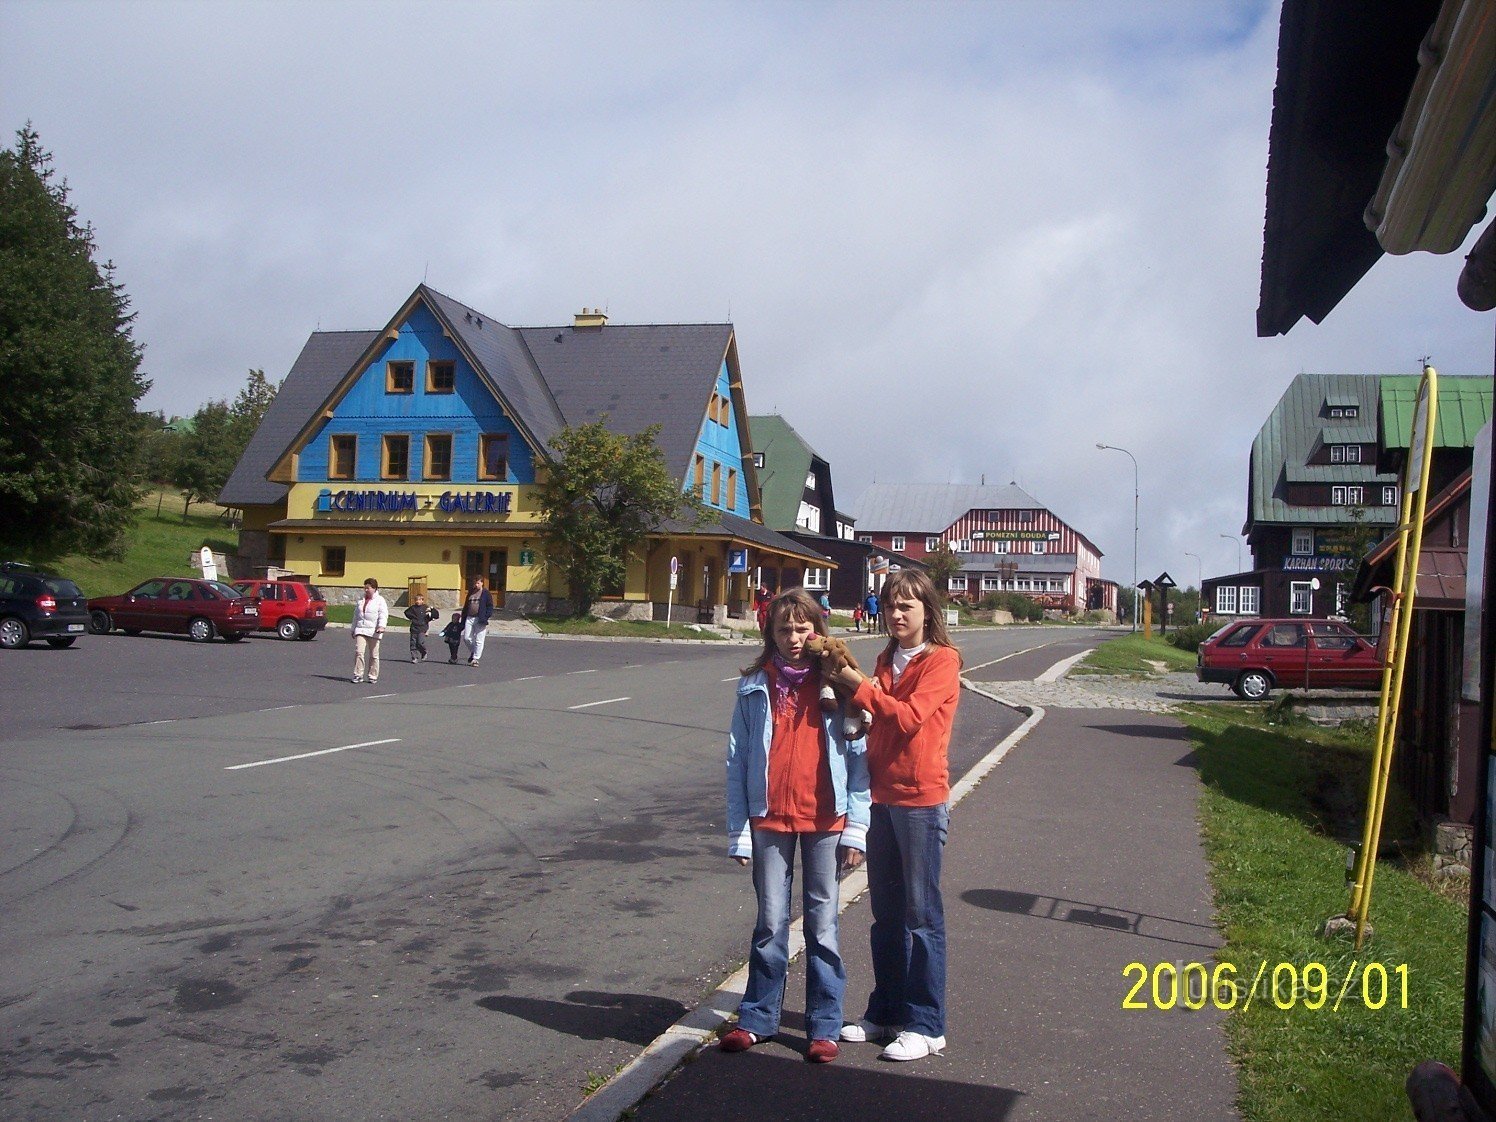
column 1252, row 685
column 307, row 636
column 200, row 630
column 13, row 633
column 130, row 630
column 234, row 637
column 65, row 641
column 99, row 622
column 288, row 629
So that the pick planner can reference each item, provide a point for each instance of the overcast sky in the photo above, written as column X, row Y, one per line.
column 957, row 240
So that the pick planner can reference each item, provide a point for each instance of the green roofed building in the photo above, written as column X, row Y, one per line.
column 1323, row 485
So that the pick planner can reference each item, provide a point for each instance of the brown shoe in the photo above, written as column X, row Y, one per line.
column 738, row 1040
column 821, row 1052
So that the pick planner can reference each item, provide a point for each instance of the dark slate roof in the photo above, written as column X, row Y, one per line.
column 787, row 461
column 1345, row 68
column 324, row 360
column 732, row 526
column 638, row 375
column 501, row 355
column 928, row 508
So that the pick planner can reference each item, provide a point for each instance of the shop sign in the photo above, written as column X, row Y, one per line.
column 388, row 502
column 1319, row 564
column 1016, row 536
column 737, row 560
column 475, row 502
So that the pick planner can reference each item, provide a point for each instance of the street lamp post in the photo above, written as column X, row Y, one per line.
column 1237, row 540
column 1134, row 459
column 1199, row 583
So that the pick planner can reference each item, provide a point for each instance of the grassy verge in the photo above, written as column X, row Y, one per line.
column 1278, row 809
column 1133, row 654
column 160, row 545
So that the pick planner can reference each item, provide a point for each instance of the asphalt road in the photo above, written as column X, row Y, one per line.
column 234, row 885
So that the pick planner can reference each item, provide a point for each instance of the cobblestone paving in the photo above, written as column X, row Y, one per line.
column 1162, row 694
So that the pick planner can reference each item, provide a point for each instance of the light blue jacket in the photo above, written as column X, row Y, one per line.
column 748, row 769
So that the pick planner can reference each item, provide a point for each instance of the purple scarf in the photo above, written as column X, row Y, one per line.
column 788, row 680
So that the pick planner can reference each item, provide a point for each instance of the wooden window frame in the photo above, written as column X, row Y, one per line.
column 716, row 484
column 332, row 456
column 426, row 459
column 384, row 455
column 484, row 442
column 390, row 367
column 431, row 367
column 327, row 555
column 730, row 498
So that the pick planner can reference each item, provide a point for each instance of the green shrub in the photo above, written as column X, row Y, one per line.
column 1189, row 638
column 1023, row 607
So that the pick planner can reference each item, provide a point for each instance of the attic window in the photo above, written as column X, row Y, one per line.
column 1349, row 412
column 400, row 376
column 441, row 376
column 758, row 461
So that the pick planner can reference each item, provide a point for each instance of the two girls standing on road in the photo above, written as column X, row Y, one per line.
column 912, row 695
column 793, row 778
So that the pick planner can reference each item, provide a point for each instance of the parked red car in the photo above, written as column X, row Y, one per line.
column 292, row 609
column 1253, row 656
column 200, row 609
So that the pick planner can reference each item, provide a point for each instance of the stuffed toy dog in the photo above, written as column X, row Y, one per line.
column 834, row 655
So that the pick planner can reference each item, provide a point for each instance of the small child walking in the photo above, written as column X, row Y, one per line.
column 420, row 617
column 452, row 633
column 793, row 778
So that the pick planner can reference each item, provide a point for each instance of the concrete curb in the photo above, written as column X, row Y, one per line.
column 680, row 1043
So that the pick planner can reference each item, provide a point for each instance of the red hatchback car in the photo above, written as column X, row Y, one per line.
column 1253, row 656
column 199, row 609
column 292, row 609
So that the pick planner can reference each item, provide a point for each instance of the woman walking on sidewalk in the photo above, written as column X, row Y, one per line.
column 912, row 695
column 793, row 777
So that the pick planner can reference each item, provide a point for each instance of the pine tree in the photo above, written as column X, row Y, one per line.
column 71, row 372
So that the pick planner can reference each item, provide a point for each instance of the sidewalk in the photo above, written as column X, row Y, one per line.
column 1078, row 855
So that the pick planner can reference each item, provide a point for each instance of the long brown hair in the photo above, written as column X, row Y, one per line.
column 915, row 584
column 795, row 604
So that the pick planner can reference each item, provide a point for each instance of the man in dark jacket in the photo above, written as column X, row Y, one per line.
column 476, row 610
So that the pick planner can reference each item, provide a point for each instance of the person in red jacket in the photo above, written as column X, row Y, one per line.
column 912, row 696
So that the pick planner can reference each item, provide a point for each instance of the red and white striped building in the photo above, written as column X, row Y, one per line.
column 1005, row 539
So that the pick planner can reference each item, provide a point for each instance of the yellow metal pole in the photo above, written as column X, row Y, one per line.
column 1429, row 396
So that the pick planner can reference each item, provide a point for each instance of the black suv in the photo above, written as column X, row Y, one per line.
column 35, row 604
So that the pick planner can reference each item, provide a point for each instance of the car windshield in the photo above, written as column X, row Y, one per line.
column 227, row 591
column 315, row 593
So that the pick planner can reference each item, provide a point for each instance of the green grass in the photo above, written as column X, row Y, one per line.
column 160, row 546
column 1278, row 809
column 1131, row 653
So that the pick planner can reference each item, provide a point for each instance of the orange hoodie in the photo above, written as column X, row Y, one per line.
column 906, row 747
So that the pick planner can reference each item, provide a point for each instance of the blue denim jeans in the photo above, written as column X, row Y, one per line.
column 904, row 846
column 768, row 958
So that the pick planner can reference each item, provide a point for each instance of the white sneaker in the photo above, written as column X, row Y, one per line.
column 865, row 1032
column 913, row 1046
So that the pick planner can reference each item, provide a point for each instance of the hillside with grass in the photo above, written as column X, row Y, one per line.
column 161, row 544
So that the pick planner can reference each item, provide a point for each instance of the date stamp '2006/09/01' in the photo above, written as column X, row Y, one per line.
column 1314, row 985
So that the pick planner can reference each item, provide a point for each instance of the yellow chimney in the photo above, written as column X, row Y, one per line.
column 590, row 318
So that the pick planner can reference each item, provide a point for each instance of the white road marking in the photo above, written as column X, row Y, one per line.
column 168, row 721
column 1057, row 671
column 531, row 678
column 590, row 704
column 309, row 755
column 278, row 708
column 583, row 672
column 995, row 661
column 725, row 680
column 377, row 696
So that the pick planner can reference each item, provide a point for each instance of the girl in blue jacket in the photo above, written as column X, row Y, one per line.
column 793, row 778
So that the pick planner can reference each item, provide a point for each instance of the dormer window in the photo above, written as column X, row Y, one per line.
column 1346, row 412
column 1345, row 453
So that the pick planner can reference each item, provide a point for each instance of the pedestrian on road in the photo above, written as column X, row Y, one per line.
column 870, row 607
column 825, row 602
column 371, row 615
column 420, row 617
column 793, row 778
column 452, row 633
column 912, row 695
column 476, row 611
column 857, row 617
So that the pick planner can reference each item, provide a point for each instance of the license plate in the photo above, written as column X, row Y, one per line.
column 76, row 627
column 251, row 611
